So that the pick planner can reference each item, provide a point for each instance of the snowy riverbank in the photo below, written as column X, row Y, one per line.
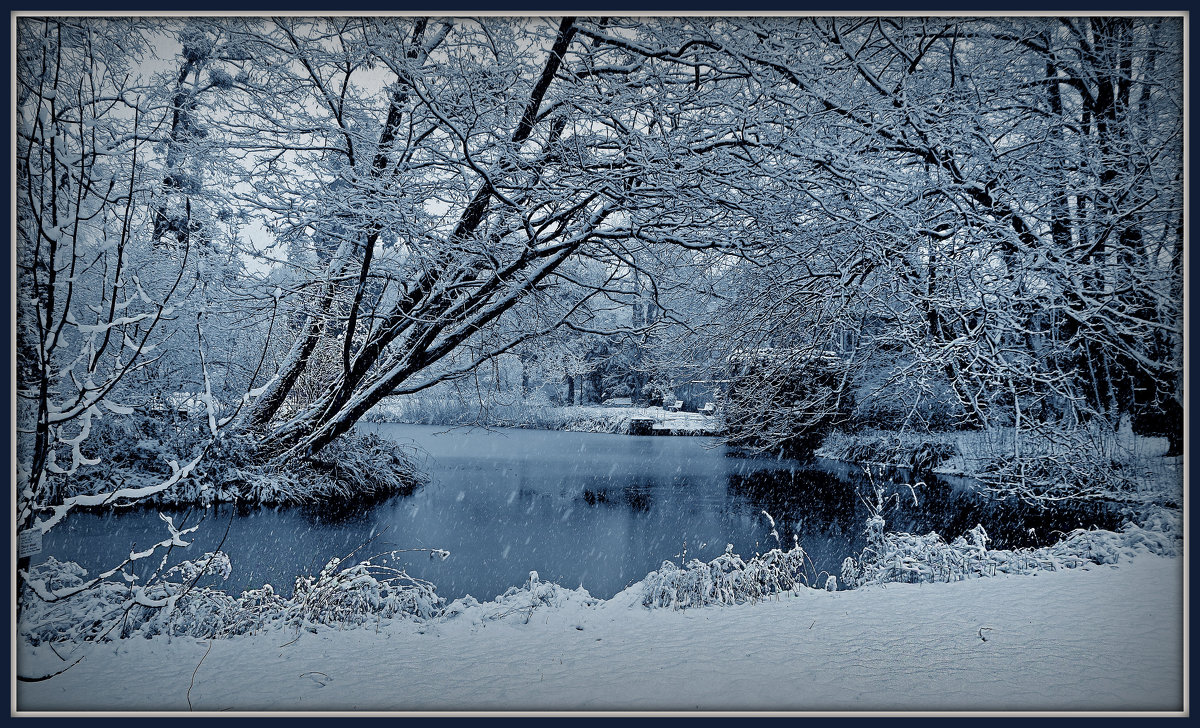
column 1100, row 638
column 532, row 416
column 1137, row 467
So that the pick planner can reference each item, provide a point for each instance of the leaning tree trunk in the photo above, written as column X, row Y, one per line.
column 436, row 313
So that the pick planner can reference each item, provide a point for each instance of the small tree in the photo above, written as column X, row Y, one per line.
column 784, row 400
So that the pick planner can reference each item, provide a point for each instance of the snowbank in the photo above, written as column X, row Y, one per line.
column 1099, row 638
column 583, row 418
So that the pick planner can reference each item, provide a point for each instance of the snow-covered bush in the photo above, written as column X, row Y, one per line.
column 362, row 466
column 1088, row 461
column 1055, row 474
column 727, row 579
column 1108, row 547
column 168, row 604
column 904, row 557
column 522, row 601
column 132, row 450
column 356, row 594
column 171, row 604
column 906, row 449
column 909, row 558
column 135, row 455
column 351, row 467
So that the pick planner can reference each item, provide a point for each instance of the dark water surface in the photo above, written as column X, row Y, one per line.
column 586, row 509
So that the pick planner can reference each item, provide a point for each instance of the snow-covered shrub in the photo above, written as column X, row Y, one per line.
column 256, row 610
column 903, row 557
column 79, row 617
column 887, row 394
column 727, row 579
column 132, row 450
column 365, row 465
column 1055, row 475
column 231, row 471
column 168, row 604
column 522, row 601
column 1107, row 547
column 1157, row 518
column 925, row 559
column 784, row 400
column 1047, row 463
column 909, row 450
column 356, row 594
column 352, row 466
column 851, row 574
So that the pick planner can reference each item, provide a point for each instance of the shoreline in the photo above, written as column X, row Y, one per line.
column 977, row 645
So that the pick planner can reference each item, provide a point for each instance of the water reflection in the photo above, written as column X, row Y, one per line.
column 582, row 509
column 634, row 496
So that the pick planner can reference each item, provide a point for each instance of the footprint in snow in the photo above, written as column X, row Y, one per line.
column 322, row 680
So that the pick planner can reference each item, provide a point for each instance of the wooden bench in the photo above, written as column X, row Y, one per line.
column 674, row 407
column 709, row 409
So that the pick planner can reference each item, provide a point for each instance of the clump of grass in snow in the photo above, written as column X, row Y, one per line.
column 351, row 595
column 728, row 579
column 522, row 601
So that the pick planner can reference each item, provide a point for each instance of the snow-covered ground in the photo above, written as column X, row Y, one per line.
column 679, row 422
column 1101, row 638
column 541, row 416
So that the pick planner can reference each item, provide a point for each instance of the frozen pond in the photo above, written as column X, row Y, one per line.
column 586, row 509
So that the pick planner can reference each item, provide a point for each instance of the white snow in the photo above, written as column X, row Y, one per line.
column 1102, row 638
column 576, row 418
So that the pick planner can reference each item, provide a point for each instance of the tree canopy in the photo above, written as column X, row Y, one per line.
column 286, row 220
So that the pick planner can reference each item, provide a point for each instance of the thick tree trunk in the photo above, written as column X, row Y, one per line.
column 428, row 323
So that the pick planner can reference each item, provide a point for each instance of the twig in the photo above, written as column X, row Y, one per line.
column 22, row 678
column 212, row 556
column 298, row 633
column 193, row 681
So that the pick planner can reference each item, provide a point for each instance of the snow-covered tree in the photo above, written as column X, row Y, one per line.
column 981, row 217
column 989, row 206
